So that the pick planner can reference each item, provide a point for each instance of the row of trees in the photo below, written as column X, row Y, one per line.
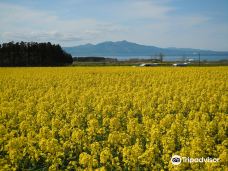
column 94, row 59
column 33, row 54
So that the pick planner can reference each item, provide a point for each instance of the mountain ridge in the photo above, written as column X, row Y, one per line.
column 126, row 48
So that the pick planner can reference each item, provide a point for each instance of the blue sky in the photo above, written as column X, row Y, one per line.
column 164, row 23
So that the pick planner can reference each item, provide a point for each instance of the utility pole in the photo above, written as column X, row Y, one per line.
column 199, row 58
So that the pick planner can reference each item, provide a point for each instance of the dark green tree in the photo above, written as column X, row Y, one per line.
column 33, row 54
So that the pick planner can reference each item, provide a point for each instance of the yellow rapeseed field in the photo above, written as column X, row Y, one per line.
column 113, row 118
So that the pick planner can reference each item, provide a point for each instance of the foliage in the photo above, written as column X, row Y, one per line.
column 33, row 54
column 121, row 118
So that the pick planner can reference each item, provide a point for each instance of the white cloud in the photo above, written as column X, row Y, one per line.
column 143, row 9
column 22, row 24
column 40, row 36
column 153, row 22
column 13, row 15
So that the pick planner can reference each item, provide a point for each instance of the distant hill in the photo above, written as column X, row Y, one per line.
column 125, row 48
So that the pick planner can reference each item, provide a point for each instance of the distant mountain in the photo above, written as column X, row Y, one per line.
column 125, row 48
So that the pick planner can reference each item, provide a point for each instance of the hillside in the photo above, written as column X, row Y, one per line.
column 125, row 48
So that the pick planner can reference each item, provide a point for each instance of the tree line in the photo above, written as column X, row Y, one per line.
column 33, row 54
column 94, row 59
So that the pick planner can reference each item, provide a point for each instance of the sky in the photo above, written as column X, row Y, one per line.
column 201, row 24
